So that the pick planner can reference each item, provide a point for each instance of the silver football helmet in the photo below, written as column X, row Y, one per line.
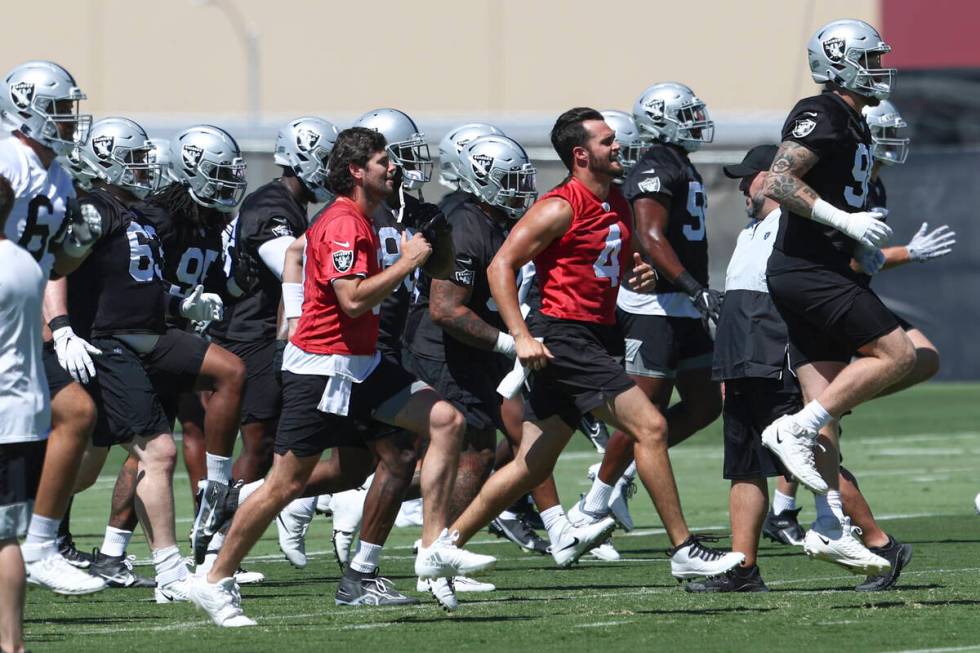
column 452, row 144
column 303, row 145
column 671, row 113
column 41, row 100
column 885, row 121
column 120, row 153
column 631, row 142
column 847, row 52
column 161, row 154
column 208, row 160
column 498, row 171
column 80, row 173
column 406, row 144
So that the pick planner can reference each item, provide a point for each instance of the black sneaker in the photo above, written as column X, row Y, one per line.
column 66, row 547
column 518, row 532
column 737, row 579
column 895, row 552
column 117, row 571
column 218, row 502
column 356, row 588
column 784, row 529
column 595, row 431
column 525, row 508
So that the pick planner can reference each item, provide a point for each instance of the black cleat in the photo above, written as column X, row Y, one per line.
column 525, row 508
column 518, row 532
column 117, row 571
column 356, row 588
column 217, row 503
column 595, row 431
column 66, row 547
column 784, row 529
column 737, row 579
column 895, row 552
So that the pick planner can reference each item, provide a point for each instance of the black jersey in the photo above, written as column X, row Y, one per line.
column 666, row 170
column 118, row 288
column 476, row 239
column 839, row 136
column 269, row 213
column 394, row 308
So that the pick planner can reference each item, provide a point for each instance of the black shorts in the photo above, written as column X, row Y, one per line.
column 307, row 431
column 471, row 388
column 20, row 474
column 750, row 406
column 174, row 365
column 659, row 347
column 586, row 372
column 58, row 378
column 262, row 400
column 828, row 314
column 127, row 400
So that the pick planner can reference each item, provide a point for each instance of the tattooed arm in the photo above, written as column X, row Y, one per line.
column 785, row 184
column 447, row 306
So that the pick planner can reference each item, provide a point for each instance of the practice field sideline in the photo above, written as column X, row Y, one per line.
column 916, row 455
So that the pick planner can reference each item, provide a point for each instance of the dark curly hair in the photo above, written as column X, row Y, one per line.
column 187, row 214
column 355, row 145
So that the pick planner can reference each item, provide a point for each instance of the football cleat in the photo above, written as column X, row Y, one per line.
column 292, row 524
column 794, row 446
column 460, row 584
column 976, row 503
column 898, row 554
column 61, row 577
column 409, row 514
column 76, row 558
column 623, row 491
column 595, row 431
column 835, row 542
column 216, row 507
column 342, row 543
column 606, row 551
column 444, row 592
column 784, row 527
column 443, row 558
column 176, row 591
column 242, row 576
column 692, row 559
column 117, row 571
column 578, row 515
column 369, row 589
column 736, row 579
column 518, row 532
column 323, row 505
column 222, row 601
column 574, row 540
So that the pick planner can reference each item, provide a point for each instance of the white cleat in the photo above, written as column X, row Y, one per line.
column 443, row 559
column 579, row 516
column 622, row 492
column 245, row 577
column 794, row 446
column 348, row 511
column 324, row 504
column 342, row 543
column 460, row 583
column 691, row 559
column 222, row 601
column 410, row 514
column 835, row 542
column 292, row 524
column 606, row 552
column 444, row 593
column 61, row 577
column 976, row 503
column 176, row 591
column 574, row 541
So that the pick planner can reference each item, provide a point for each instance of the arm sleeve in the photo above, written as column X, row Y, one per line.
column 273, row 254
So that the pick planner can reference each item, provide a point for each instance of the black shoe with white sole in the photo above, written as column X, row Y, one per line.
column 736, row 579
column 898, row 554
column 518, row 532
column 117, row 571
column 784, row 528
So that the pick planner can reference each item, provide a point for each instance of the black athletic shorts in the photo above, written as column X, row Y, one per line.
column 307, row 431
column 586, row 372
column 750, row 406
column 20, row 474
column 828, row 315
column 127, row 400
column 58, row 378
column 659, row 347
column 262, row 400
column 471, row 388
column 174, row 365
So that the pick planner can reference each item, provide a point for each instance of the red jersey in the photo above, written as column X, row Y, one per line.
column 341, row 243
column 579, row 274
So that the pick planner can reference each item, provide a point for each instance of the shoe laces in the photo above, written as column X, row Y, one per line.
column 629, row 490
column 697, row 550
column 381, row 584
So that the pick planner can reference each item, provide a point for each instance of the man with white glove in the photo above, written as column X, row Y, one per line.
column 202, row 306
column 927, row 245
column 74, row 353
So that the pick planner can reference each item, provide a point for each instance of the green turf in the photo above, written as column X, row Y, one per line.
column 917, row 456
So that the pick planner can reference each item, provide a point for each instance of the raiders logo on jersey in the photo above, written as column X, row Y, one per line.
column 803, row 127
column 343, row 260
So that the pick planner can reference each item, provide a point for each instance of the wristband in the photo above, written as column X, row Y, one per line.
column 688, row 284
column 292, row 300
column 505, row 344
column 59, row 322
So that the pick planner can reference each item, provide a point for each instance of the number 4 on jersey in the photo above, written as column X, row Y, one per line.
column 607, row 265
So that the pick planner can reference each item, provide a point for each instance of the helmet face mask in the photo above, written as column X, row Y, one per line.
column 848, row 53
column 209, row 162
column 304, row 146
column 121, row 154
column 669, row 112
column 498, row 171
column 885, row 123
column 41, row 100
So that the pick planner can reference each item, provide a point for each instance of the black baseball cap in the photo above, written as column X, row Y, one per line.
column 758, row 159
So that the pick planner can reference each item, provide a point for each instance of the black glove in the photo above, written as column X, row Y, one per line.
column 705, row 300
column 245, row 271
column 427, row 219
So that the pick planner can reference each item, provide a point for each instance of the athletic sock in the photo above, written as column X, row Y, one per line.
column 597, row 499
column 367, row 558
column 219, row 468
column 169, row 565
column 507, row 515
column 115, row 541
column 630, row 472
column 555, row 522
column 216, row 542
column 813, row 417
column 247, row 490
column 304, row 507
column 42, row 530
column 781, row 502
column 829, row 506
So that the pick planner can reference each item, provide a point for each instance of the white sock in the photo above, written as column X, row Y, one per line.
column 42, row 530
column 219, row 468
column 169, row 565
column 597, row 499
column 630, row 472
column 781, row 502
column 115, row 541
column 367, row 558
column 508, row 515
column 829, row 506
column 555, row 522
column 813, row 417
column 247, row 490
column 215, row 544
column 304, row 507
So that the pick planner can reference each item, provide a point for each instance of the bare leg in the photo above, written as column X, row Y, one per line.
column 926, row 364
column 224, row 373
column 12, row 592
column 512, row 413
column 475, row 465
column 393, row 475
column 346, row 469
column 72, row 418
column 258, row 439
column 748, row 502
column 190, row 413
column 122, row 515
column 154, row 490
column 859, row 511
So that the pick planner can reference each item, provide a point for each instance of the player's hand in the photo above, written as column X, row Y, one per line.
column 926, row 245
column 869, row 259
column 415, row 249
column 708, row 303
column 532, row 353
column 867, row 228
column 84, row 228
column 74, row 354
column 644, row 278
column 202, row 306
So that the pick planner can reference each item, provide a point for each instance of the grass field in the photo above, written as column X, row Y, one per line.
column 917, row 456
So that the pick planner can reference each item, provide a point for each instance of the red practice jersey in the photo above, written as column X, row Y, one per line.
column 579, row 274
column 341, row 243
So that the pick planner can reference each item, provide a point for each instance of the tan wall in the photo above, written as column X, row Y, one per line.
column 438, row 57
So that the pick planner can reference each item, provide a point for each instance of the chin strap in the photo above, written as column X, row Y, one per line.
column 401, row 204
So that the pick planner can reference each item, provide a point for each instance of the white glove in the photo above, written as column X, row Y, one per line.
column 202, row 306
column 870, row 259
column 925, row 246
column 84, row 229
column 865, row 227
column 74, row 354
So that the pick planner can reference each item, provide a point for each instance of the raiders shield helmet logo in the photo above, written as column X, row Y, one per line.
column 481, row 165
column 191, row 155
column 655, row 109
column 343, row 260
column 306, row 139
column 22, row 94
column 834, row 49
column 103, row 146
column 803, row 127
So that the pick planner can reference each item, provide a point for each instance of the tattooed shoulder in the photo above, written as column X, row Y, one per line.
column 794, row 159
